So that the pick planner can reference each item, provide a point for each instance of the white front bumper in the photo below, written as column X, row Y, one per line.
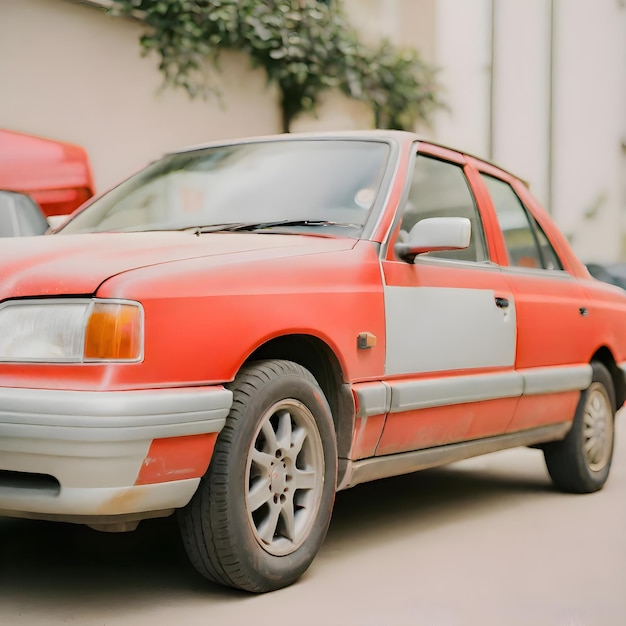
column 79, row 453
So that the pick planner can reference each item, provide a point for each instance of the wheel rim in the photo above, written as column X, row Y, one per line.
column 284, row 477
column 598, row 428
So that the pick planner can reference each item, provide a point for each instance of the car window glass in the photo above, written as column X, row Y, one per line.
column 549, row 256
column 440, row 189
column 526, row 243
column 337, row 181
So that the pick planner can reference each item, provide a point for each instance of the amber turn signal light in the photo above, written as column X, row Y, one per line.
column 114, row 332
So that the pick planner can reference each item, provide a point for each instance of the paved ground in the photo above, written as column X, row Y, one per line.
column 483, row 542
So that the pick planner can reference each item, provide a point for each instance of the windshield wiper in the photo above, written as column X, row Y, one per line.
column 250, row 226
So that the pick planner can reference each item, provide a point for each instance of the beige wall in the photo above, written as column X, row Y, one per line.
column 69, row 71
column 406, row 23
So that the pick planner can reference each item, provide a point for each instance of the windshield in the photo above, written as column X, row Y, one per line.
column 303, row 184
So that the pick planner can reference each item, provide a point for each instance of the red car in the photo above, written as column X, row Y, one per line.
column 55, row 174
column 244, row 328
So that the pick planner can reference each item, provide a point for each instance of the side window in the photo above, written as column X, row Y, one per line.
column 440, row 189
column 526, row 242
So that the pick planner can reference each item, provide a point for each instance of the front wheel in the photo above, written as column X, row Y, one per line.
column 262, row 510
column 581, row 462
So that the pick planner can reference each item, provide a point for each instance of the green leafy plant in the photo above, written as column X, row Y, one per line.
column 304, row 47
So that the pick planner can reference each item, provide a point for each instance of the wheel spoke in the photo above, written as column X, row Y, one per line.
column 596, row 405
column 263, row 460
column 589, row 433
column 289, row 519
column 590, row 449
column 297, row 441
column 305, row 479
column 267, row 528
column 284, row 430
column 259, row 494
column 270, row 437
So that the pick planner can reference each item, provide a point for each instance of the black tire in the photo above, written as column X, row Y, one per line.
column 262, row 510
column 582, row 461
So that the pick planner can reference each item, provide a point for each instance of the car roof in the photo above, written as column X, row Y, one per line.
column 395, row 136
column 384, row 135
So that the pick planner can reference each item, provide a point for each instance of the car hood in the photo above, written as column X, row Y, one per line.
column 79, row 264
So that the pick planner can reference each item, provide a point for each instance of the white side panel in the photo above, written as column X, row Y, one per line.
column 547, row 380
column 408, row 395
column 431, row 329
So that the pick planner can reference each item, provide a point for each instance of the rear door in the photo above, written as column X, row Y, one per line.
column 450, row 321
column 551, row 305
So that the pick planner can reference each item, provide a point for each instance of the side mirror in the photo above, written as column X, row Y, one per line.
column 433, row 234
column 20, row 215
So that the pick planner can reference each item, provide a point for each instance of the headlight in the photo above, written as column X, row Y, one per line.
column 71, row 331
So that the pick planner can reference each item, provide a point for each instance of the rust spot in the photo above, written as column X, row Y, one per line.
column 125, row 501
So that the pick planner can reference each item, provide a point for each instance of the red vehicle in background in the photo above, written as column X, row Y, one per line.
column 56, row 174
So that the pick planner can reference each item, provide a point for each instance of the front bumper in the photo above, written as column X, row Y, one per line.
column 94, row 456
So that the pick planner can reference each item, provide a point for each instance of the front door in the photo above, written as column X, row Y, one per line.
column 450, row 323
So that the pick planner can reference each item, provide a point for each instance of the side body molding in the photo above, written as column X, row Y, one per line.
column 407, row 395
column 377, row 400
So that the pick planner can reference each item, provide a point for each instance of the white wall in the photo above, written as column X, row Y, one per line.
column 589, row 121
column 497, row 83
column 463, row 54
column 521, row 84
column 584, row 179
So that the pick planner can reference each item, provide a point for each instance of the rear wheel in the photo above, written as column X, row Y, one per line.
column 262, row 510
column 582, row 461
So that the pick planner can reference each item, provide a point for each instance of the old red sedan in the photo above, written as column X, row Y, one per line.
column 241, row 329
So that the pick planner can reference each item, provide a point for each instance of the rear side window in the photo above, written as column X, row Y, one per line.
column 440, row 189
column 526, row 243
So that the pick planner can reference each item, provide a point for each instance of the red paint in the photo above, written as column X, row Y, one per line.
column 367, row 434
column 550, row 328
column 533, row 411
column 425, row 428
column 56, row 174
column 177, row 458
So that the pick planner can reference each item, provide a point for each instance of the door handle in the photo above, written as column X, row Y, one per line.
column 502, row 303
